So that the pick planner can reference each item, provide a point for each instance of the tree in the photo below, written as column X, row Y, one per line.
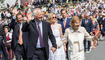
column 1, row 1
column 1, row 4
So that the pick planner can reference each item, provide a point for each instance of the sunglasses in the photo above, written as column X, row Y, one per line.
column 54, row 17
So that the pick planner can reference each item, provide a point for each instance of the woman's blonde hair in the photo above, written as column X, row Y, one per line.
column 74, row 19
column 50, row 16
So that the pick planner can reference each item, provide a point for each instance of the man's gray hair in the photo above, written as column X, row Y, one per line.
column 36, row 11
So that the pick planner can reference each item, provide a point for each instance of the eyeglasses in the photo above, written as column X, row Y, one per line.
column 54, row 17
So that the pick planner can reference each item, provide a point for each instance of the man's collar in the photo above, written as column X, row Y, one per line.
column 38, row 22
column 65, row 18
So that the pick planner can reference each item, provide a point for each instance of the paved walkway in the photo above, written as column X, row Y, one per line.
column 98, row 53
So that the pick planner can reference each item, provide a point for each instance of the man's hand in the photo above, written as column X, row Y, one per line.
column 29, row 16
column 15, row 11
column 53, row 49
column 65, row 47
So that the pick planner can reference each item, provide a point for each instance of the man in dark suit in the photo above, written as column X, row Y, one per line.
column 88, row 25
column 18, row 42
column 65, row 21
column 39, row 33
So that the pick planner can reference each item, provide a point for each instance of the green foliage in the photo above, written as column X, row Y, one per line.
column 1, row 1
column 1, row 4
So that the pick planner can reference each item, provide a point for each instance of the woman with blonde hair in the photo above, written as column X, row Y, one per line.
column 59, row 54
column 75, row 35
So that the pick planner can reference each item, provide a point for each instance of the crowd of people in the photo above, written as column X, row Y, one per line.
column 51, row 32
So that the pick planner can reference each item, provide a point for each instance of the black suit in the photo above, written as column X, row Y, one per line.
column 33, row 37
column 19, row 50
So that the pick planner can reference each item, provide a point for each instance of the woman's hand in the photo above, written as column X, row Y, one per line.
column 65, row 47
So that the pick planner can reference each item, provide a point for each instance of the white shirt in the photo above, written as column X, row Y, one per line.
column 10, row 36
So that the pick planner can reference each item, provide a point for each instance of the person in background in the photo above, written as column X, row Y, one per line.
column 65, row 21
column 88, row 25
column 103, row 24
column 3, row 54
column 95, row 29
column 8, row 43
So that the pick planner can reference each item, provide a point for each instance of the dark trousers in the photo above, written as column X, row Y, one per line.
column 9, row 52
column 87, row 45
column 1, row 53
column 20, row 53
column 39, row 54
column 103, row 31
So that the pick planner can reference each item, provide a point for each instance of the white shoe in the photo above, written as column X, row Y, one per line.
column 88, row 51
column 102, row 38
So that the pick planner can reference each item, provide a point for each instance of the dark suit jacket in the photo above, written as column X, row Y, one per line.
column 62, row 24
column 15, row 36
column 88, row 26
column 33, row 36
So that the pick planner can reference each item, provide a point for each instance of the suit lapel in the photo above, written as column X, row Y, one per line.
column 63, row 22
column 17, row 29
column 43, row 28
column 34, row 26
column 67, row 22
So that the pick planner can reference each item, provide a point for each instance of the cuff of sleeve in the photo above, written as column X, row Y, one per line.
column 59, row 44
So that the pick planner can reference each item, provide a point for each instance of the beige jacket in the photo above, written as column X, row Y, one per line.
column 71, row 35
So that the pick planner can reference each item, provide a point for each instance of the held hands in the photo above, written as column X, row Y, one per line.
column 53, row 49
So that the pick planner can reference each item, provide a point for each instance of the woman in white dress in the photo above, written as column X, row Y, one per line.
column 75, row 36
column 59, row 54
